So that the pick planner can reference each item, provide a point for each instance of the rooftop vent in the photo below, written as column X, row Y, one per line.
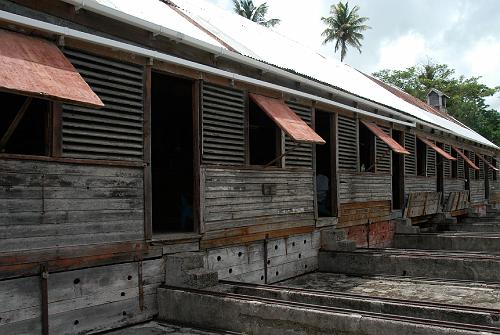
column 437, row 99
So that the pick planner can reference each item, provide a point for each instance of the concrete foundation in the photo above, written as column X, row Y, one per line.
column 448, row 265
column 484, row 242
column 260, row 316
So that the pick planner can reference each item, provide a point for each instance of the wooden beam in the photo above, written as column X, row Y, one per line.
column 14, row 124
column 148, row 200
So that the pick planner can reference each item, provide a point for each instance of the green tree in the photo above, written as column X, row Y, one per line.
column 467, row 95
column 345, row 27
column 247, row 9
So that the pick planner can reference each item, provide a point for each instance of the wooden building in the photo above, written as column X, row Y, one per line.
column 122, row 141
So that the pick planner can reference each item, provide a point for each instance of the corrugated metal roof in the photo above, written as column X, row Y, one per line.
column 267, row 45
column 36, row 67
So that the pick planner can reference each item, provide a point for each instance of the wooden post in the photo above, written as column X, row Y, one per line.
column 197, row 140
column 44, row 276
column 148, row 195
column 334, row 164
column 56, row 138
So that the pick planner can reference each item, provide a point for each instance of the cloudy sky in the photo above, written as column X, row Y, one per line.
column 465, row 34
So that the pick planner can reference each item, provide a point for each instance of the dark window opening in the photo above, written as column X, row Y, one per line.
column 172, row 154
column 32, row 134
column 495, row 173
column 264, row 137
column 366, row 149
column 421, row 158
column 397, row 173
column 477, row 173
column 325, row 166
column 454, row 164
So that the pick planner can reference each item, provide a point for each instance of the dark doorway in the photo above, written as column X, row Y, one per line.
column 398, row 177
column 366, row 149
column 326, row 183
column 263, row 137
column 172, row 154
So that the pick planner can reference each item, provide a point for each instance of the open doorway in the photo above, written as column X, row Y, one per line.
column 325, row 166
column 172, row 154
column 398, row 177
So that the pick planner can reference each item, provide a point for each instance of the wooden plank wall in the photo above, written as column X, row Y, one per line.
column 477, row 191
column 415, row 184
column 452, row 185
column 236, row 211
column 53, row 205
column 82, row 301
column 275, row 260
column 364, row 198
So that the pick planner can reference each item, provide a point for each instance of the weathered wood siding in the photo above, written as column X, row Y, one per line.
column 234, row 204
column 477, row 191
column 452, row 185
column 83, row 301
column 358, row 187
column 364, row 198
column 52, row 205
column 420, row 184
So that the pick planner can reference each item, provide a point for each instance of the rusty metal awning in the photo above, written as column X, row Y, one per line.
column 487, row 162
column 437, row 149
column 36, row 67
column 393, row 145
column 466, row 159
column 287, row 120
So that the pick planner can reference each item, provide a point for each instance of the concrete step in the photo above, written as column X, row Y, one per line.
column 414, row 263
column 335, row 239
column 410, row 308
column 264, row 316
column 467, row 241
column 185, row 260
column 472, row 227
column 186, row 270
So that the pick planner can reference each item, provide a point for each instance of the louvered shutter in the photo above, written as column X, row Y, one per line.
column 461, row 167
column 431, row 162
column 384, row 153
column 116, row 130
column 447, row 162
column 223, row 118
column 347, row 143
column 410, row 160
column 301, row 156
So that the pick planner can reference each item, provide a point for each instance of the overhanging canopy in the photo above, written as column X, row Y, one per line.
column 466, row 159
column 395, row 146
column 287, row 120
column 437, row 149
column 487, row 163
column 36, row 67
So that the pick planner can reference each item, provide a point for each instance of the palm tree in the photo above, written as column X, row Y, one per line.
column 247, row 9
column 345, row 27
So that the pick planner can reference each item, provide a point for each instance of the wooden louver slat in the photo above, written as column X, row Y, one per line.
column 116, row 130
column 410, row 160
column 431, row 162
column 223, row 132
column 347, row 143
column 301, row 156
column 446, row 162
column 384, row 153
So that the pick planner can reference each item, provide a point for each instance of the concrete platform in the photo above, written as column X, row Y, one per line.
column 473, row 227
column 472, row 266
column 156, row 328
column 411, row 289
column 468, row 241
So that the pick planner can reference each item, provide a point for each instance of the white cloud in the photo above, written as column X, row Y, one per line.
column 402, row 52
column 483, row 59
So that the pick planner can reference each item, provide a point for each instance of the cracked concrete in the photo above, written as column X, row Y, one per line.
column 447, row 292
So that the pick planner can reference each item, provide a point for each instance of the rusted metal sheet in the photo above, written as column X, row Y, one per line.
column 36, row 67
column 437, row 149
column 287, row 120
column 466, row 159
column 377, row 131
column 487, row 162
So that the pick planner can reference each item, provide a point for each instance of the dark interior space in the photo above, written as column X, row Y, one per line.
column 421, row 158
column 31, row 136
column 477, row 173
column 263, row 137
column 397, row 173
column 454, row 164
column 324, row 165
column 366, row 149
column 495, row 173
column 172, row 154
column 440, row 171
